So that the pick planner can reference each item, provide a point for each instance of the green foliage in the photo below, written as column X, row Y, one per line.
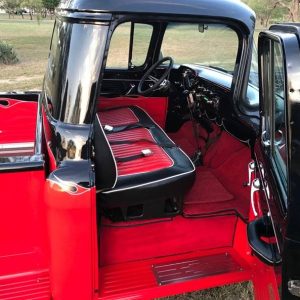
column 7, row 54
column 33, row 7
column 275, row 10
column 50, row 4
column 10, row 6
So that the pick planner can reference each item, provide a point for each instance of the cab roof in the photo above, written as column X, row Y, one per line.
column 227, row 9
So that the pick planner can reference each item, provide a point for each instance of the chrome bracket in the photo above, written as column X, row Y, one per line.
column 251, row 170
column 254, row 188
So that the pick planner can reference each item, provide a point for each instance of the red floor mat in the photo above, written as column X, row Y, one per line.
column 180, row 235
column 219, row 185
column 207, row 189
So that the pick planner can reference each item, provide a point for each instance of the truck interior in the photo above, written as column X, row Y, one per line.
column 172, row 159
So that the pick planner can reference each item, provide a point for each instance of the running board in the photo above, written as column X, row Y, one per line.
column 179, row 271
column 176, row 274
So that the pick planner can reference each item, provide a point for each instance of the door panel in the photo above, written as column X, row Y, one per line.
column 277, row 150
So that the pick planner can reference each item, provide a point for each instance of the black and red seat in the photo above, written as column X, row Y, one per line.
column 140, row 172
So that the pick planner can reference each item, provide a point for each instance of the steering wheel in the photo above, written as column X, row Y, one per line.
column 157, row 82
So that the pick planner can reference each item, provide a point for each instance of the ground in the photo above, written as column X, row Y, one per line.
column 31, row 41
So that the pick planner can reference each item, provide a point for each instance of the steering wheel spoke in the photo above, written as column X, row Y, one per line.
column 153, row 79
column 156, row 83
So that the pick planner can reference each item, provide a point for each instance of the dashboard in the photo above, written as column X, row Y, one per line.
column 209, row 93
column 211, row 87
column 208, row 90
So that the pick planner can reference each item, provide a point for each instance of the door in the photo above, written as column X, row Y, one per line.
column 274, row 232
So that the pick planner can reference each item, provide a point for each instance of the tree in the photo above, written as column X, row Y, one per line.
column 267, row 9
column 10, row 6
column 33, row 6
column 293, row 8
column 50, row 6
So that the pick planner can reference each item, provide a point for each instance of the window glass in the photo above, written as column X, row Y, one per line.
column 119, row 50
column 252, row 99
column 279, row 120
column 141, row 42
column 213, row 45
column 119, row 47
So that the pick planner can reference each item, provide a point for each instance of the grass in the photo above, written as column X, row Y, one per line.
column 239, row 291
column 31, row 41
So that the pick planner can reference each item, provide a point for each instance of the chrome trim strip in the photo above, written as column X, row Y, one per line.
column 17, row 146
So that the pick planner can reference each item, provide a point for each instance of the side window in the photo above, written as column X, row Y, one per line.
column 141, row 42
column 279, row 120
column 274, row 134
column 121, row 54
column 119, row 47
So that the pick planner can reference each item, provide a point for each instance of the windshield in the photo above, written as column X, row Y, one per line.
column 213, row 45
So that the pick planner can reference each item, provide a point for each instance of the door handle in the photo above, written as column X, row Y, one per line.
column 254, row 188
column 266, row 142
column 132, row 86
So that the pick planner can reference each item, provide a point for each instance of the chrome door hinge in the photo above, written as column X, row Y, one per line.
column 251, row 170
column 254, row 188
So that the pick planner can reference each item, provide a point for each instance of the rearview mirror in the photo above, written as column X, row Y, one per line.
column 202, row 27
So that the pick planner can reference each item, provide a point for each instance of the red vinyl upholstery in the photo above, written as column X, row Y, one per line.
column 157, row 161
column 150, row 180
column 156, row 107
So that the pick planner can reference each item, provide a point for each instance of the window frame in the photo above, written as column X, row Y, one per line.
column 268, row 107
column 130, row 66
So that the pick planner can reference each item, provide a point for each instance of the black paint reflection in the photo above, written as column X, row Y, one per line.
column 73, row 70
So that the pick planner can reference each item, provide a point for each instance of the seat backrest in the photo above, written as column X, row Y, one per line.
column 106, row 166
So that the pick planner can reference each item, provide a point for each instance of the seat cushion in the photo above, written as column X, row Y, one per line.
column 142, row 140
column 167, row 160
column 166, row 172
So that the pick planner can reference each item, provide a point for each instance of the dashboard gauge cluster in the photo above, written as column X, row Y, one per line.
column 209, row 96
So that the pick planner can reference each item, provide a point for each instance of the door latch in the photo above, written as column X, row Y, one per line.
column 294, row 287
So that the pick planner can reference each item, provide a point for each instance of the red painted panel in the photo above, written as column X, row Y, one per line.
column 23, row 234
column 26, row 286
column 136, row 280
column 156, row 107
column 163, row 237
column 17, row 121
column 73, row 241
